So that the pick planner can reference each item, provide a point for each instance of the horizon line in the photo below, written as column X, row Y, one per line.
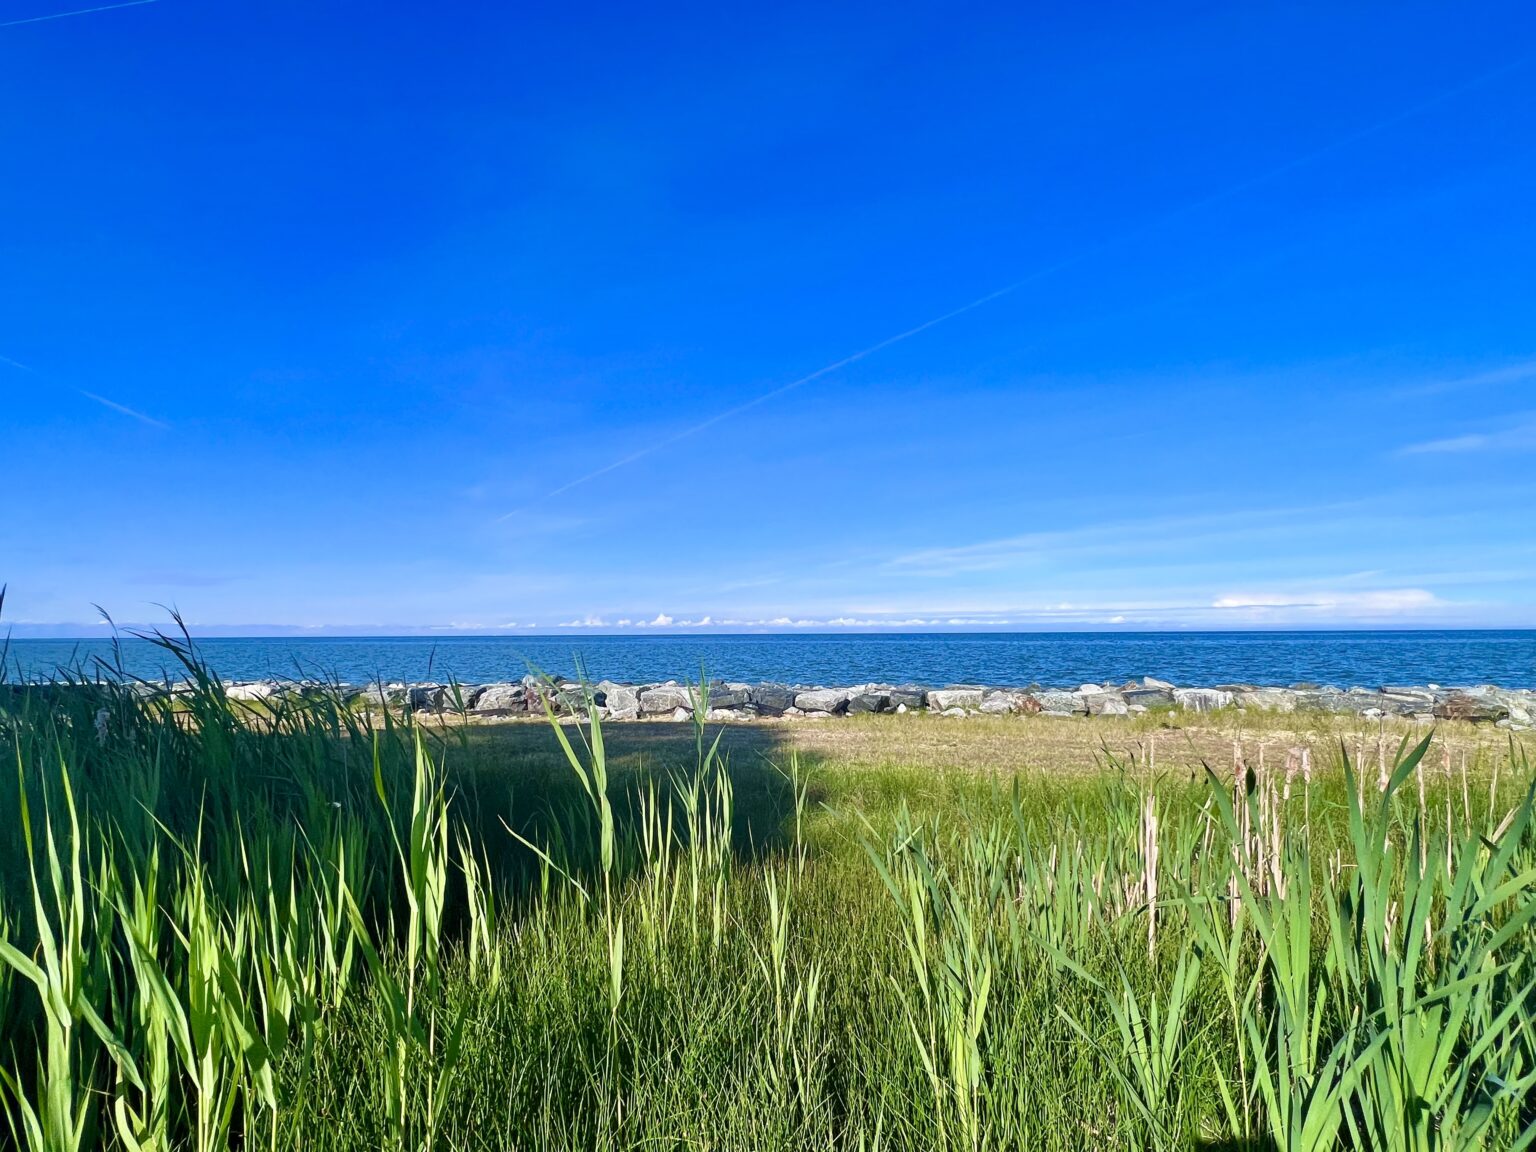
column 131, row 631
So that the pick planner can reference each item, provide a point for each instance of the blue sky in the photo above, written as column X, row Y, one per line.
column 484, row 317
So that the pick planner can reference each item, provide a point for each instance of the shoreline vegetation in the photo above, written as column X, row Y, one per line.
column 286, row 921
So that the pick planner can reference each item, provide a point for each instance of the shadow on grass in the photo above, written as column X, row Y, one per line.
column 517, row 774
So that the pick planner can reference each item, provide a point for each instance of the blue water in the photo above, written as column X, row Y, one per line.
column 1370, row 659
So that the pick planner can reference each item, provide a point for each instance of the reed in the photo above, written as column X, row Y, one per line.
column 304, row 927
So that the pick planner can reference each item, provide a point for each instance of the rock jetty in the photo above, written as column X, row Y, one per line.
column 1513, row 708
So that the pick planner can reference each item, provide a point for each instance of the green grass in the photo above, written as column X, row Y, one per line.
column 297, row 927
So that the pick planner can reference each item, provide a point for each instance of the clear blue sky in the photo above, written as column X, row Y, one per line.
column 400, row 315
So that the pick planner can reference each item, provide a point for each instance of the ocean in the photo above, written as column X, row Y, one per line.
column 1051, row 659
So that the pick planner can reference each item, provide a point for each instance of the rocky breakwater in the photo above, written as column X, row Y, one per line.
column 1512, row 708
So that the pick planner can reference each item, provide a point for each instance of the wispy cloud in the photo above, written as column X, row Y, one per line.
column 1105, row 245
column 1515, row 438
column 1477, row 381
column 1105, row 538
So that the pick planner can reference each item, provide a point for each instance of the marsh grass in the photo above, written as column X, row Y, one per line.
column 301, row 926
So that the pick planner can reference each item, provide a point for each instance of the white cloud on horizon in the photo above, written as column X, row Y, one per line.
column 1405, row 605
column 1378, row 602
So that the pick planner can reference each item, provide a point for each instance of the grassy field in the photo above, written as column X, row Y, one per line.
column 289, row 929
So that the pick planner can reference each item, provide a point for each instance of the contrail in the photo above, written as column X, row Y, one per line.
column 76, row 12
column 783, row 388
column 112, row 404
column 1108, row 244
column 123, row 408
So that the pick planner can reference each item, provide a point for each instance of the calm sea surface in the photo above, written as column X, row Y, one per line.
column 1507, row 658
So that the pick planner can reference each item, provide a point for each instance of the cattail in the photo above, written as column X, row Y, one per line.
column 1423, row 816
column 1383, row 777
column 1466, row 795
column 1493, row 793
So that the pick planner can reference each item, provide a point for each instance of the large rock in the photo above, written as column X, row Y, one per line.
column 1420, row 696
column 944, row 699
column 392, row 695
column 870, row 698
column 572, row 699
column 1357, row 701
column 771, row 699
column 729, row 696
column 426, row 697
column 829, row 700
column 664, row 699
column 1477, row 709
column 1268, row 699
column 1149, row 697
column 1202, row 699
column 500, row 698
column 264, row 690
column 621, row 701
column 1000, row 703
column 909, row 697
column 1104, row 703
column 1058, row 702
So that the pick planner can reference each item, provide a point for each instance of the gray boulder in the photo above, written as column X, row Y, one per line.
column 943, row 699
column 1476, row 709
column 622, row 701
column 828, row 700
column 1202, row 699
column 729, row 695
column 771, row 699
column 1356, row 701
column 1148, row 697
column 908, row 697
column 1053, row 700
column 664, row 699
column 426, row 697
column 1104, row 703
column 500, row 698
column 262, row 690
column 869, row 698
column 999, row 703
column 1268, row 699
column 1424, row 696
